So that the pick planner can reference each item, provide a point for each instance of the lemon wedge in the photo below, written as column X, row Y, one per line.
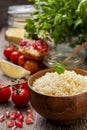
column 12, row 70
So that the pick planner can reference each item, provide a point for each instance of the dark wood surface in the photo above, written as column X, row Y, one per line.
column 39, row 123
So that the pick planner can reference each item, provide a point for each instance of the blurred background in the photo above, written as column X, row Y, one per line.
column 4, row 4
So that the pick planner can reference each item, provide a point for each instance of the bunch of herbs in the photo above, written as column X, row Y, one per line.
column 60, row 20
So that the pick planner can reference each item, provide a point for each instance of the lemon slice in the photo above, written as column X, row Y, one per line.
column 12, row 70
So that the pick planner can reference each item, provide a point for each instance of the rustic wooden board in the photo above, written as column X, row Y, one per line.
column 40, row 123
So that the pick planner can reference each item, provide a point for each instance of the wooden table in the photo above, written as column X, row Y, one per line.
column 40, row 123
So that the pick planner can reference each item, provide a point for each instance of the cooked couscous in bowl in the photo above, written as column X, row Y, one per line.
column 62, row 97
column 66, row 84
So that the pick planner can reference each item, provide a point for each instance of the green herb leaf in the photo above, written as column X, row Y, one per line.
column 59, row 68
column 59, row 19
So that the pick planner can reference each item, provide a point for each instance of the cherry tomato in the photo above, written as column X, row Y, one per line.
column 22, row 83
column 28, row 56
column 20, row 97
column 8, row 50
column 16, row 87
column 21, row 60
column 14, row 57
column 25, row 85
column 31, row 65
column 5, row 94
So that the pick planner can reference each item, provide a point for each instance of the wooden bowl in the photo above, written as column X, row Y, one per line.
column 63, row 110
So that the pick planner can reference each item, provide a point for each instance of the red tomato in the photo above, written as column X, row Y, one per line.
column 16, row 87
column 4, row 94
column 20, row 97
column 14, row 57
column 29, row 57
column 8, row 50
column 20, row 53
column 21, row 60
column 31, row 65
column 21, row 83
column 24, row 85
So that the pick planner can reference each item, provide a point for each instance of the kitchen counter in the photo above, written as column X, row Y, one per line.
column 39, row 123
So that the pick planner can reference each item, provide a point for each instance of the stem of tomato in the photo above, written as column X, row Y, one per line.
column 13, row 85
column 17, row 91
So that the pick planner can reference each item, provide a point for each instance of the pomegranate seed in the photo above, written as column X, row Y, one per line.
column 30, row 116
column 29, row 111
column 2, row 118
column 7, row 114
column 10, row 123
column 14, row 113
column 23, row 43
column 19, row 113
column 13, row 116
column 19, row 123
column 44, row 49
column 28, row 121
column 20, row 117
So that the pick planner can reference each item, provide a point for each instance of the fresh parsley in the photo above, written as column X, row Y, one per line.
column 59, row 68
column 59, row 20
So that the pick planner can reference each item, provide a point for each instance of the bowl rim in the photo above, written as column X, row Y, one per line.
column 48, row 69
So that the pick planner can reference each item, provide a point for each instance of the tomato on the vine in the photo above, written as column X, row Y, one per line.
column 20, row 97
column 14, row 57
column 16, row 87
column 20, row 86
column 8, row 50
column 5, row 94
column 20, row 83
column 24, row 83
